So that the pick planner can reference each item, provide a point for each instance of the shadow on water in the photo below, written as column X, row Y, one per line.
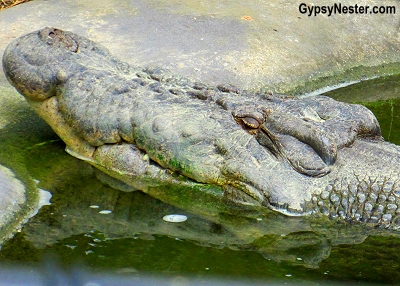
column 79, row 229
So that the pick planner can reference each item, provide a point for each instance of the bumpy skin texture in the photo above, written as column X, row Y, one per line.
column 149, row 128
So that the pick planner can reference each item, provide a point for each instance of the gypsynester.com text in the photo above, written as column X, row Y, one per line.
column 338, row 8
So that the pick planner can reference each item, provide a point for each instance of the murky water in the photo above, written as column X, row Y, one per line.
column 94, row 225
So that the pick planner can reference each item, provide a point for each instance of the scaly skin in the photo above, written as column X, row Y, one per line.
column 152, row 130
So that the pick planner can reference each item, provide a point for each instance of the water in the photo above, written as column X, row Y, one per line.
column 91, row 225
column 382, row 96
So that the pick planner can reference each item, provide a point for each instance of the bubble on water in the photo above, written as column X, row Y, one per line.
column 94, row 206
column 105, row 212
column 175, row 218
column 91, row 284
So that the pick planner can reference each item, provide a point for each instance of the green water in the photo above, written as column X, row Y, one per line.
column 134, row 240
column 382, row 96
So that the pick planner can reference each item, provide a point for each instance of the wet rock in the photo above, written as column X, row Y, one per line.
column 12, row 198
column 274, row 47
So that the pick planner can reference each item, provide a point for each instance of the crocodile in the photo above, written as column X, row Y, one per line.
column 150, row 130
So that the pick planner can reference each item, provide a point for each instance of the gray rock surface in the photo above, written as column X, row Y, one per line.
column 12, row 193
column 262, row 44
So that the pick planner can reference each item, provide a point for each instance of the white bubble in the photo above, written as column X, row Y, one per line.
column 175, row 218
column 91, row 284
column 105, row 212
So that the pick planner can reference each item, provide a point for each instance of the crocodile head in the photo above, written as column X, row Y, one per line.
column 149, row 130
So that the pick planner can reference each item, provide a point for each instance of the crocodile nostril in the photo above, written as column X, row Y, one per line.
column 58, row 38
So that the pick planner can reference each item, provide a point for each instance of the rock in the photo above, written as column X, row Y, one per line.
column 12, row 193
column 269, row 45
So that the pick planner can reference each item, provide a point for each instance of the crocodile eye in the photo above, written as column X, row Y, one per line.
column 250, row 119
column 250, row 122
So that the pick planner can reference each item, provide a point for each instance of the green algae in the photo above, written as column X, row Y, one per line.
column 368, row 91
column 362, row 73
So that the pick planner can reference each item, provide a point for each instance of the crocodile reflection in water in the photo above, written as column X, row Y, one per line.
column 151, row 130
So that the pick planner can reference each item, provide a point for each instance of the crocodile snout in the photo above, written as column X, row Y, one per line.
column 58, row 38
